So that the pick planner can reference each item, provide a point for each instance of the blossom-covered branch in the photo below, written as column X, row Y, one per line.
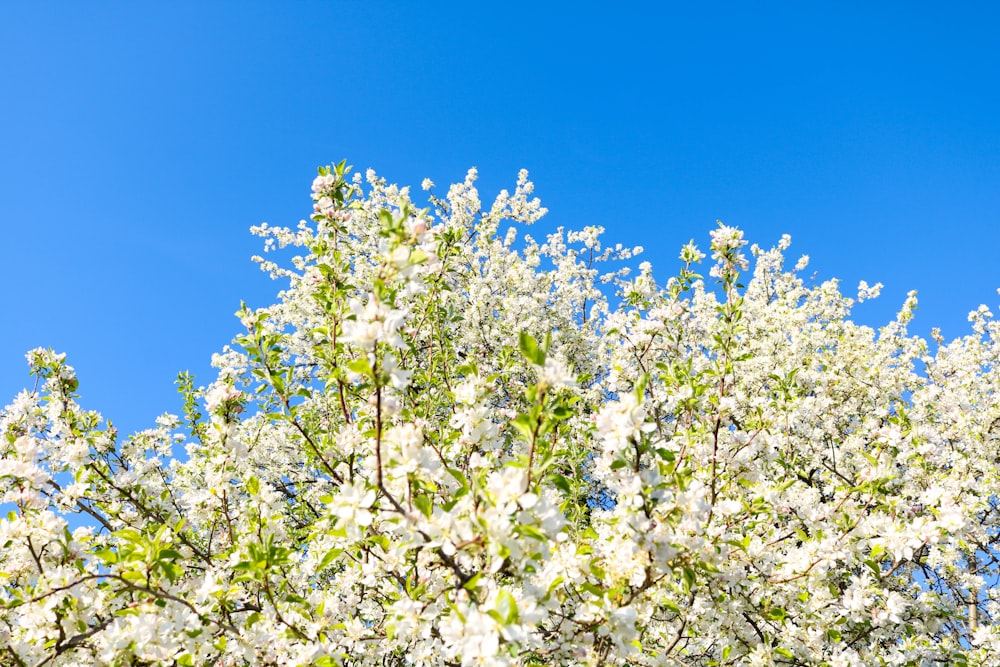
column 449, row 443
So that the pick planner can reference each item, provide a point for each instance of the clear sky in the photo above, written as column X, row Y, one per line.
column 139, row 141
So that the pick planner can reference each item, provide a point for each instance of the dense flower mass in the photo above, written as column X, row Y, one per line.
column 449, row 443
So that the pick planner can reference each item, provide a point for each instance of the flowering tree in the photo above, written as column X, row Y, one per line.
column 448, row 446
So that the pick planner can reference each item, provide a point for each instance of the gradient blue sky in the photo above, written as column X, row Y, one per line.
column 139, row 142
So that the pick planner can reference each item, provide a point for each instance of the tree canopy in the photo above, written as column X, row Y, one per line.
column 449, row 443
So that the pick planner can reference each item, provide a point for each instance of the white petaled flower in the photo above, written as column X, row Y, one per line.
column 895, row 606
column 324, row 206
column 690, row 253
column 620, row 421
column 554, row 374
column 475, row 638
column 724, row 239
column 419, row 228
column 866, row 292
column 218, row 394
column 467, row 392
column 353, row 504
column 399, row 259
column 373, row 323
column 398, row 378
column 322, row 182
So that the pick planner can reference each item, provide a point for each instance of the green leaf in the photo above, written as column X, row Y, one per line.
column 530, row 349
column 473, row 582
column 553, row 585
column 525, row 426
column 129, row 535
column 424, row 504
column 775, row 614
column 330, row 556
column 531, row 531
column 507, row 606
column 459, row 476
column 562, row 412
column 133, row 576
column 561, row 483
column 171, row 571
column 360, row 366
column 690, row 577
column 385, row 217
column 107, row 555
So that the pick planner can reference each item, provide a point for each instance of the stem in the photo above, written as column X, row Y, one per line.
column 378, row 437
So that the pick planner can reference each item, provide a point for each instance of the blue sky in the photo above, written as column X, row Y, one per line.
column 140, row 141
